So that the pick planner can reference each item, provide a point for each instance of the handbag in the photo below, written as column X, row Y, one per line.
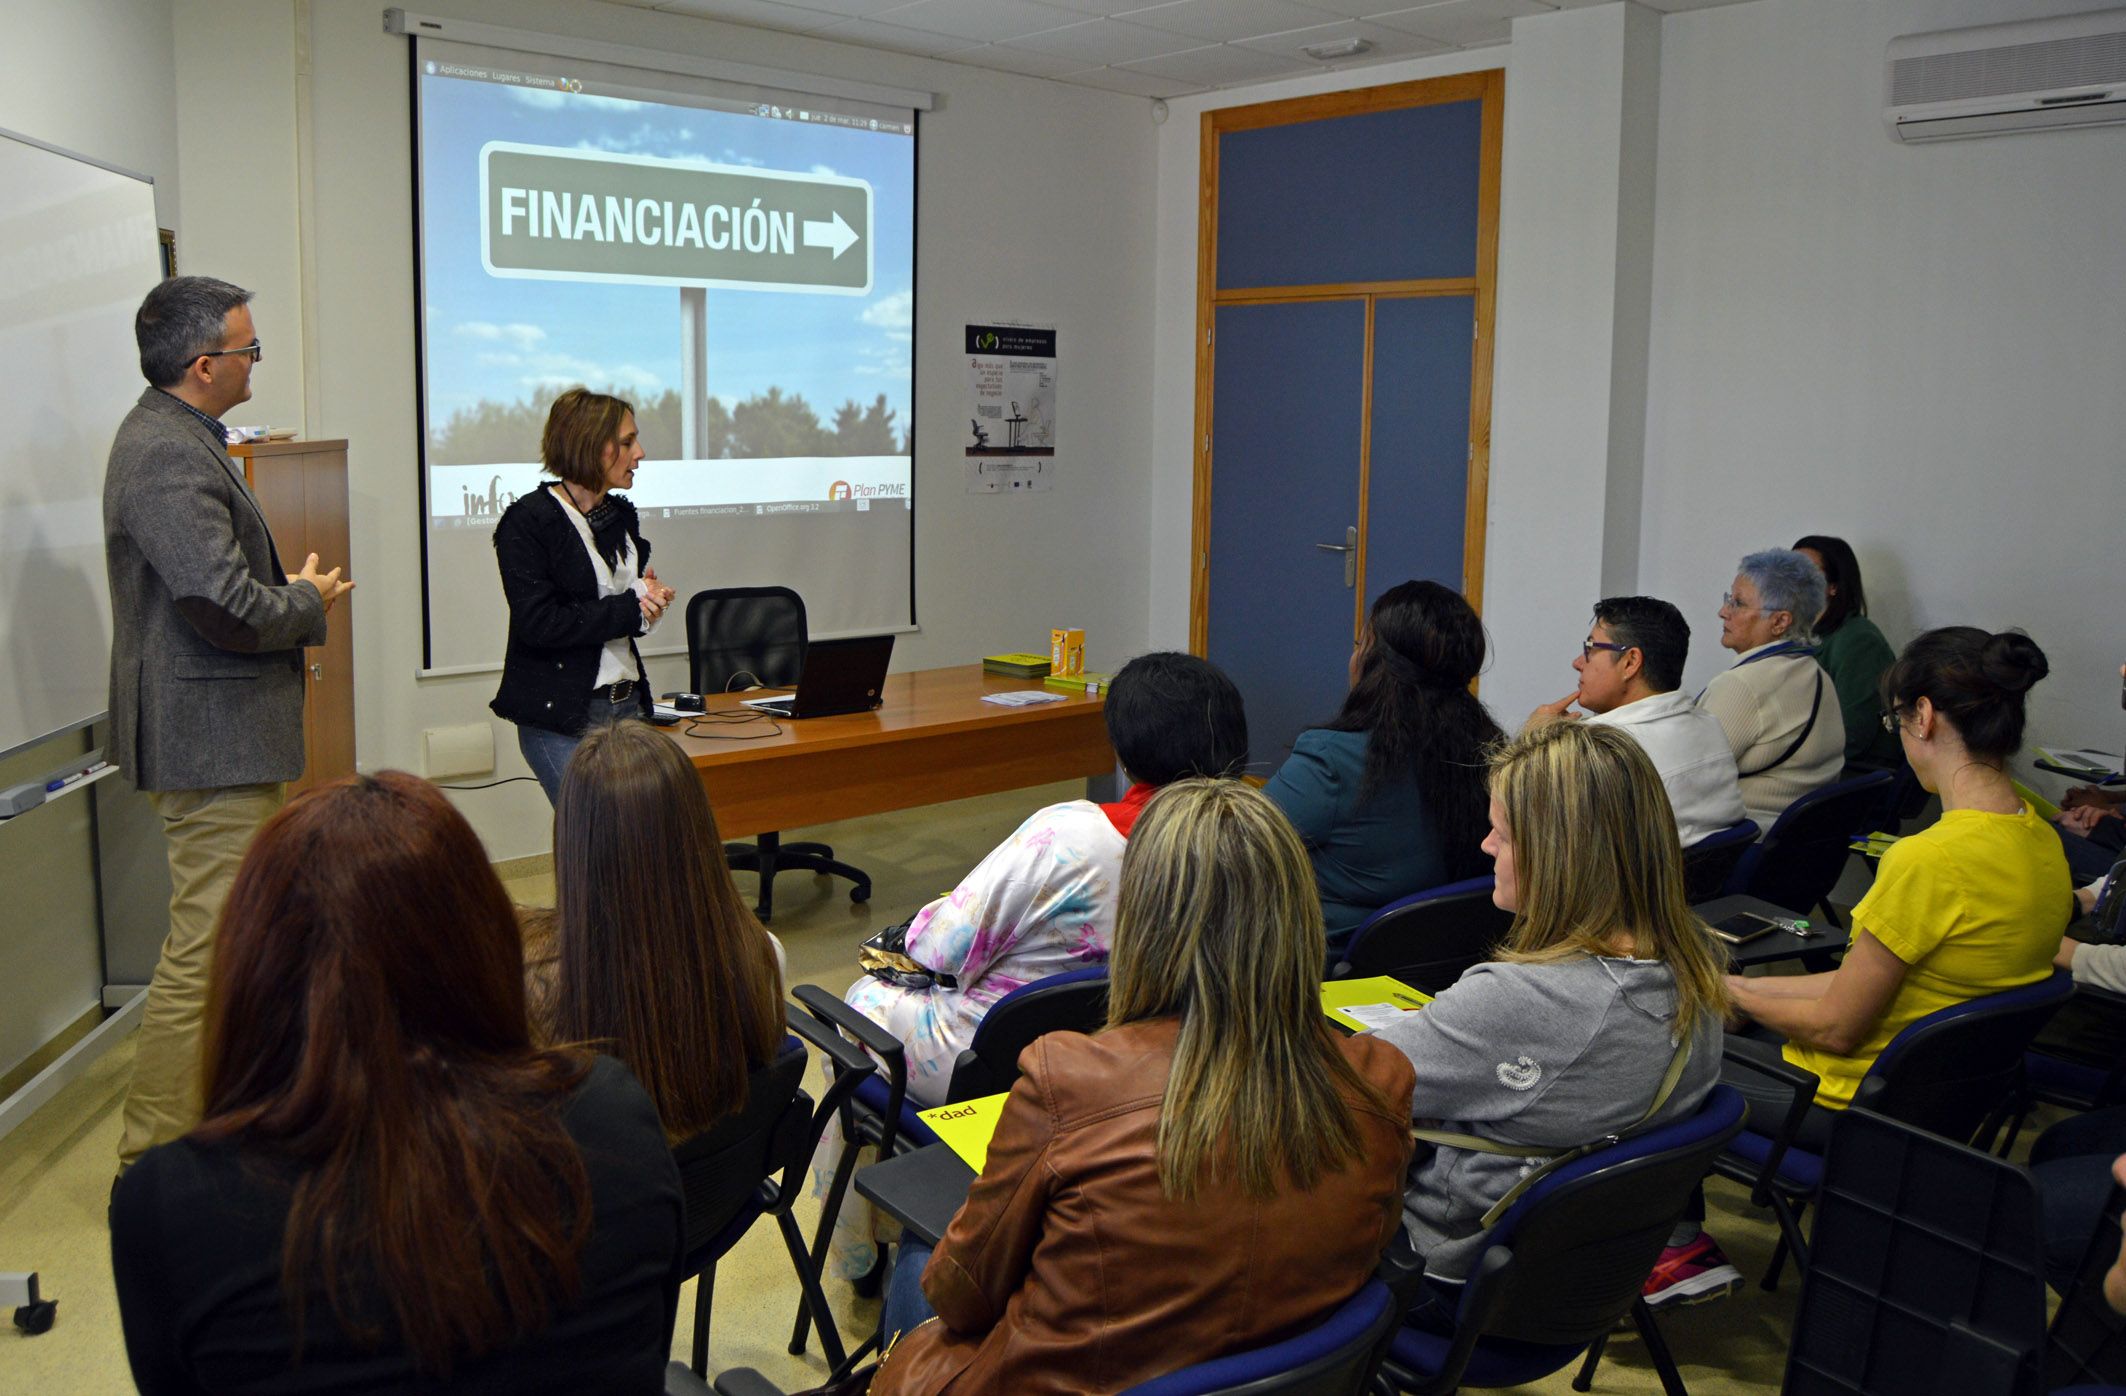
column 885, row 956
column 1558, row 1158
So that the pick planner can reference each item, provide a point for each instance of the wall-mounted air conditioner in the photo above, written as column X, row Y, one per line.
column 2029, row 75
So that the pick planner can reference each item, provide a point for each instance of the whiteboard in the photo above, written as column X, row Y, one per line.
column 78, row 251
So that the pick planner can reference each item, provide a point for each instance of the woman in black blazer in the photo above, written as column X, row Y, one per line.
column 575, row 568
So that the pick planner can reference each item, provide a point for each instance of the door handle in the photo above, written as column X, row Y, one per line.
column 1349, row 548
column 317, row 672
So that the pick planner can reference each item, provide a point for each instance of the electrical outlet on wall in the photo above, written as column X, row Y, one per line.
column 464, row 750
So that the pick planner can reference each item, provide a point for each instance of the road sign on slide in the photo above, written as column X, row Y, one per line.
column 552, row 214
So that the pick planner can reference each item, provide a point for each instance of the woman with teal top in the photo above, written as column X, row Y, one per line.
column 1852, row 651
column 1389, row 796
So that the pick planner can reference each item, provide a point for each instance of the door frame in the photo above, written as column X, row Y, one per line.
column 1486, row 87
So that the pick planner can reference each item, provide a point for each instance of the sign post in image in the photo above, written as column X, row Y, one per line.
column 549, row 214
column 571, row 215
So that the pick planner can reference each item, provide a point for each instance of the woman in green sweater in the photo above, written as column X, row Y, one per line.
column 1852, row 651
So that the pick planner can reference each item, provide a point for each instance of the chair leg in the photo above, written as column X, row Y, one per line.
column 817, row 850
column 770, row 850
column 1790, row 1241
column 823, row 1239
column 704, row 1300
column 1585, row 1380
column 815, row 1298
column 1657, row 1348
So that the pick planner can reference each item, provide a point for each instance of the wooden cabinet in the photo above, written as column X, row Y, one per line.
column 302, row 487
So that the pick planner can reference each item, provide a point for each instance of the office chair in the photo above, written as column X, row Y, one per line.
column 1927, row 1278
column 1429, row 938
column 1711, row 861
column 1953, row 1073
column 739, row 637
column 1568, row 1260
column 1797, row 863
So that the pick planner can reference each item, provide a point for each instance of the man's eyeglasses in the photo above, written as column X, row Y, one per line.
column 1588, row 648
column 255, row 350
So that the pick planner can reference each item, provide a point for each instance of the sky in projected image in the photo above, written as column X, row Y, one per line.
column 502, row 340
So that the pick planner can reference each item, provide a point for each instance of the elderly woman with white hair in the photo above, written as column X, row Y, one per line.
column 1777, row 707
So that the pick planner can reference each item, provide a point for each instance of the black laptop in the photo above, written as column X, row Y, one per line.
column 840, row 676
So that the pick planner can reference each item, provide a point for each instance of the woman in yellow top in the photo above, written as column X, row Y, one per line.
column 1971, row 906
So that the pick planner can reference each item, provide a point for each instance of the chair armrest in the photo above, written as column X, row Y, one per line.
column 1764, row 1059
column 832, row 1011
column 740, row 1381
column 844, row 1054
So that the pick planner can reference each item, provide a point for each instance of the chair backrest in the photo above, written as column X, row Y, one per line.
column 1428, row 939
column 1798, row 862
column 1337, row 1357
column 1948, row 1072
column 1074, row 1001
column 721, row 1168
column 2087, row 1340
column 1585, row 1237
column 1710, row 862
column 752, row 631
column 1925, row 1274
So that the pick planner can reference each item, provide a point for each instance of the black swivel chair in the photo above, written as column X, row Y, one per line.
column 738, row 637
column 1712, row 860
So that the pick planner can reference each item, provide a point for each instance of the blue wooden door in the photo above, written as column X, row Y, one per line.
column 1285, row 426
column 1348, row 256
column 1417, row 480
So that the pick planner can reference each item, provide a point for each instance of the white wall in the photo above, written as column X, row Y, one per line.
column 1918, row 348
column 95, row 77
column 1072, row 246
column 236, row 143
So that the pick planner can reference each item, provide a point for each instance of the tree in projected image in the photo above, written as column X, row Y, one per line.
column 764, row 426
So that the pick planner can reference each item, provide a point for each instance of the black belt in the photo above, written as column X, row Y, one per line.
column 616, row 692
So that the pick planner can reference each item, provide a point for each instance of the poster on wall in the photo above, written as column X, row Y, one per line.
column 1010, row 438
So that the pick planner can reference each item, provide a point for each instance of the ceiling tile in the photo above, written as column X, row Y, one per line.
column 1386, row 43
column 1218, row 64
column 1674, row 5
column 1102, row 8
column 872, row 34
column 980, row 21
column 1464, row 22
column 851, row 9
column 1136, row 84
column 1095, row 42
column 1222, row 21
column 1019, row 60
column 765, row 14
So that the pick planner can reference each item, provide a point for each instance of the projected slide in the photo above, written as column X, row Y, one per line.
column 736, row 262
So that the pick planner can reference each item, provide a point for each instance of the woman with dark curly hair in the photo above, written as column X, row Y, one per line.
column 1388, row 795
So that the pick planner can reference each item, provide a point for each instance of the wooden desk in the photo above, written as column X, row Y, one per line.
column 931, row 739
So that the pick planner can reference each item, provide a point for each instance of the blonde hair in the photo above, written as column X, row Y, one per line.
column 1596, row 859
column 1218, row 923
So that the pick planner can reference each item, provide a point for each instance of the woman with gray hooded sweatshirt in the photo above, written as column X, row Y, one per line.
column 1601, row 1014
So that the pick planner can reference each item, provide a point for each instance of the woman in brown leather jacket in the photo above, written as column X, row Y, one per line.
column 1215, row 1171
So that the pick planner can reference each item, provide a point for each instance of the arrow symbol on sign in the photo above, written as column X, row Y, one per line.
column 835, row 234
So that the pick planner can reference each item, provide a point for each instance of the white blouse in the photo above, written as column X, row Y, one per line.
column 614, row 661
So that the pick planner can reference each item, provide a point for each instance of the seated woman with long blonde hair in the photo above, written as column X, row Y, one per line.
column 1601, row 1014
column 1214, row 1171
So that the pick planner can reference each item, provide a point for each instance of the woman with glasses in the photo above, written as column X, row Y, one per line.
column 1852, row 650
column 577, row 575
column 1971, row 906
column 1777, row 707
column 1388, row 795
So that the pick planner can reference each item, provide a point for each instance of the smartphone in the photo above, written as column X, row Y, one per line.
column 1744, row 926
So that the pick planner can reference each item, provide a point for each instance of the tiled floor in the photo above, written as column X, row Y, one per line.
column 55, row 1170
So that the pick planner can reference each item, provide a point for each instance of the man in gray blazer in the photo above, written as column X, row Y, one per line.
column 206, row 657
